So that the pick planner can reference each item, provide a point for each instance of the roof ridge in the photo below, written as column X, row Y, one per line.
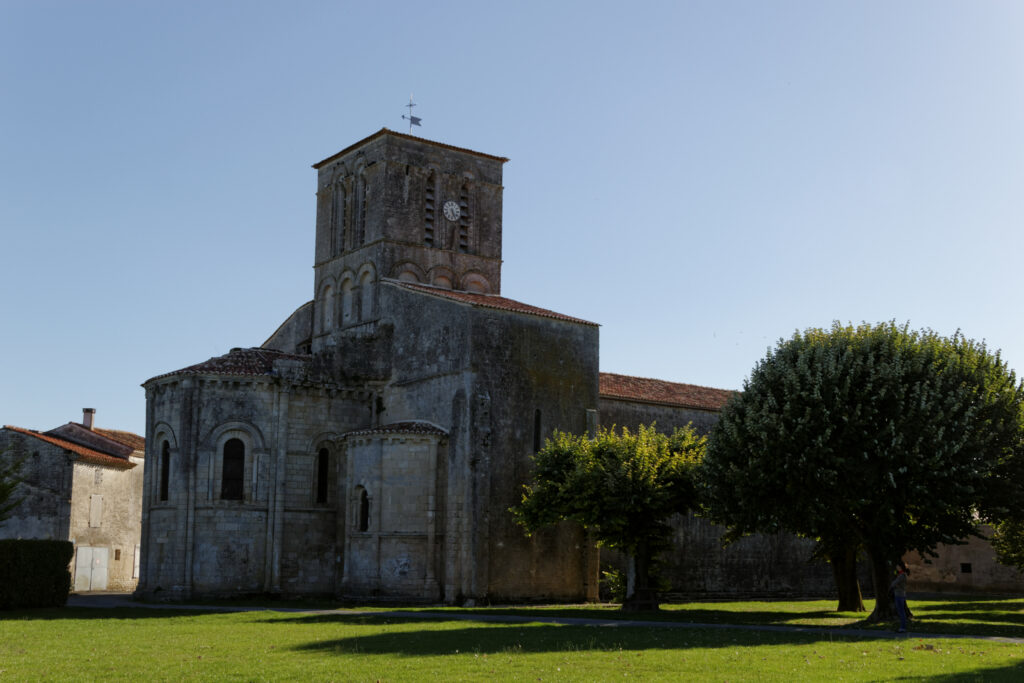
column 86, row 454
column 472, row 298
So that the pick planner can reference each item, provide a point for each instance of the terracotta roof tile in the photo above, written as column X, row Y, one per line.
column 489, row 301
column 646, row 390
column 133, row 441
column 386, row 131
column 84, row 454
column 410, row 427
column 241, row 362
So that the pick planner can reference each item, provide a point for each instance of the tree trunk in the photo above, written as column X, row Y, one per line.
column 882, row 576
column 640, row 596
column 844, row 570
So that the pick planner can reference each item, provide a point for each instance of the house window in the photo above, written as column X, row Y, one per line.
column 165, row 470
column 117, row 554
column 233, row 471
column 322, row 462
column 363, row 521
column 95, row 511
column 965, row 567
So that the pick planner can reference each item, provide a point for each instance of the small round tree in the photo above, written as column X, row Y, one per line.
column 873, row 437
column 623, row 487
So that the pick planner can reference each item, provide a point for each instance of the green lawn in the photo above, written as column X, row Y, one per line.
column 140, row 643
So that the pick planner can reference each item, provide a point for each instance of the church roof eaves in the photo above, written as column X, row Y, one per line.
column 84, row 454
column 489, row 301
column 238, row 362
column 386, row 131
column 407, row 427
column 647, row 390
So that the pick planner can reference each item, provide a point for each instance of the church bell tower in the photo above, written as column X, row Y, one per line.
column 401, row 207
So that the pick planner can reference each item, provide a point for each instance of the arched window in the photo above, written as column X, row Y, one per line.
column 165, row 470
column 233, row 470
column 322, row 474
column 328, row 309
column 363, row 517
column 366, row 296
column 428, row 210
column 361, row 220
column 338, row 219
column 346, row 303
column 464, row 218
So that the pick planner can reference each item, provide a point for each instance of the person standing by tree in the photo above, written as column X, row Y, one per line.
column 899, row 594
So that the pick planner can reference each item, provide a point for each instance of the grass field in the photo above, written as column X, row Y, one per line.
column 140, row 643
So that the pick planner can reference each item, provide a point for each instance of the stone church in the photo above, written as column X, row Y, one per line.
column 372, row 446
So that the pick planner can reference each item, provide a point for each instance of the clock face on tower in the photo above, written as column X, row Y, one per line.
column 451, row 211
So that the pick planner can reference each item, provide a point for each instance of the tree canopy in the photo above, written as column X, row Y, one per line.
column 622, row 486
column 873, row 437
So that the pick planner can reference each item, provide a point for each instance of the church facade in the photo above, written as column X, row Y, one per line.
column 372, row 446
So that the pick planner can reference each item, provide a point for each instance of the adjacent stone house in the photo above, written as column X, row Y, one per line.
column 83, row 484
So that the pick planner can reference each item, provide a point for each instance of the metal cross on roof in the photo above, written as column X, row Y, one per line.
column 413, row 120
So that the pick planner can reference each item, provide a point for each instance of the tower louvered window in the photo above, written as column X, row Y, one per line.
column 428, row 212
column 464, row 219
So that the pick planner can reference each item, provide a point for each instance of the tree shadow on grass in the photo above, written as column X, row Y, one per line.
column 496, row 638
column 973, row 606
column 59, row 613
column 687, row 616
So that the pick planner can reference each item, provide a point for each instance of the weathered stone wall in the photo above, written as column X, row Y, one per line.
column 482, row 375
column 631, row 414
column 117, row 526
column 539, row 375
column 295, row 334
column 968, row 568
column 277, row 538
column 45, row 490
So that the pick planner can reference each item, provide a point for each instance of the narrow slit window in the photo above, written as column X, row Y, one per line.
column 364, row 510
column 322, row 462
column 165, row 470
column 233, row 472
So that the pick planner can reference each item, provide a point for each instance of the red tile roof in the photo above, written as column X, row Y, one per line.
column 385, row 131
column 646, row 390
column 411, row 427
column 84, row 454
column 133, row 441
column 245, row 362
column 489, row 301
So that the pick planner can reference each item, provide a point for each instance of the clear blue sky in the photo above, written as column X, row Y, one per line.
column 700, row 178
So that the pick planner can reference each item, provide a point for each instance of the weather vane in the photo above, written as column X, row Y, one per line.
column 413, row 120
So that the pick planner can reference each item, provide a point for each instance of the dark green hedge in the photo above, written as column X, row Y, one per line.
column 34, row 573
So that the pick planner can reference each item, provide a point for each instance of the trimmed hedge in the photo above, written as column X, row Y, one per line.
column 34, row 573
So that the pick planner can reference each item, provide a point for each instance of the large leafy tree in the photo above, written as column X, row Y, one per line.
column 623, row 487
column 872, row 437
